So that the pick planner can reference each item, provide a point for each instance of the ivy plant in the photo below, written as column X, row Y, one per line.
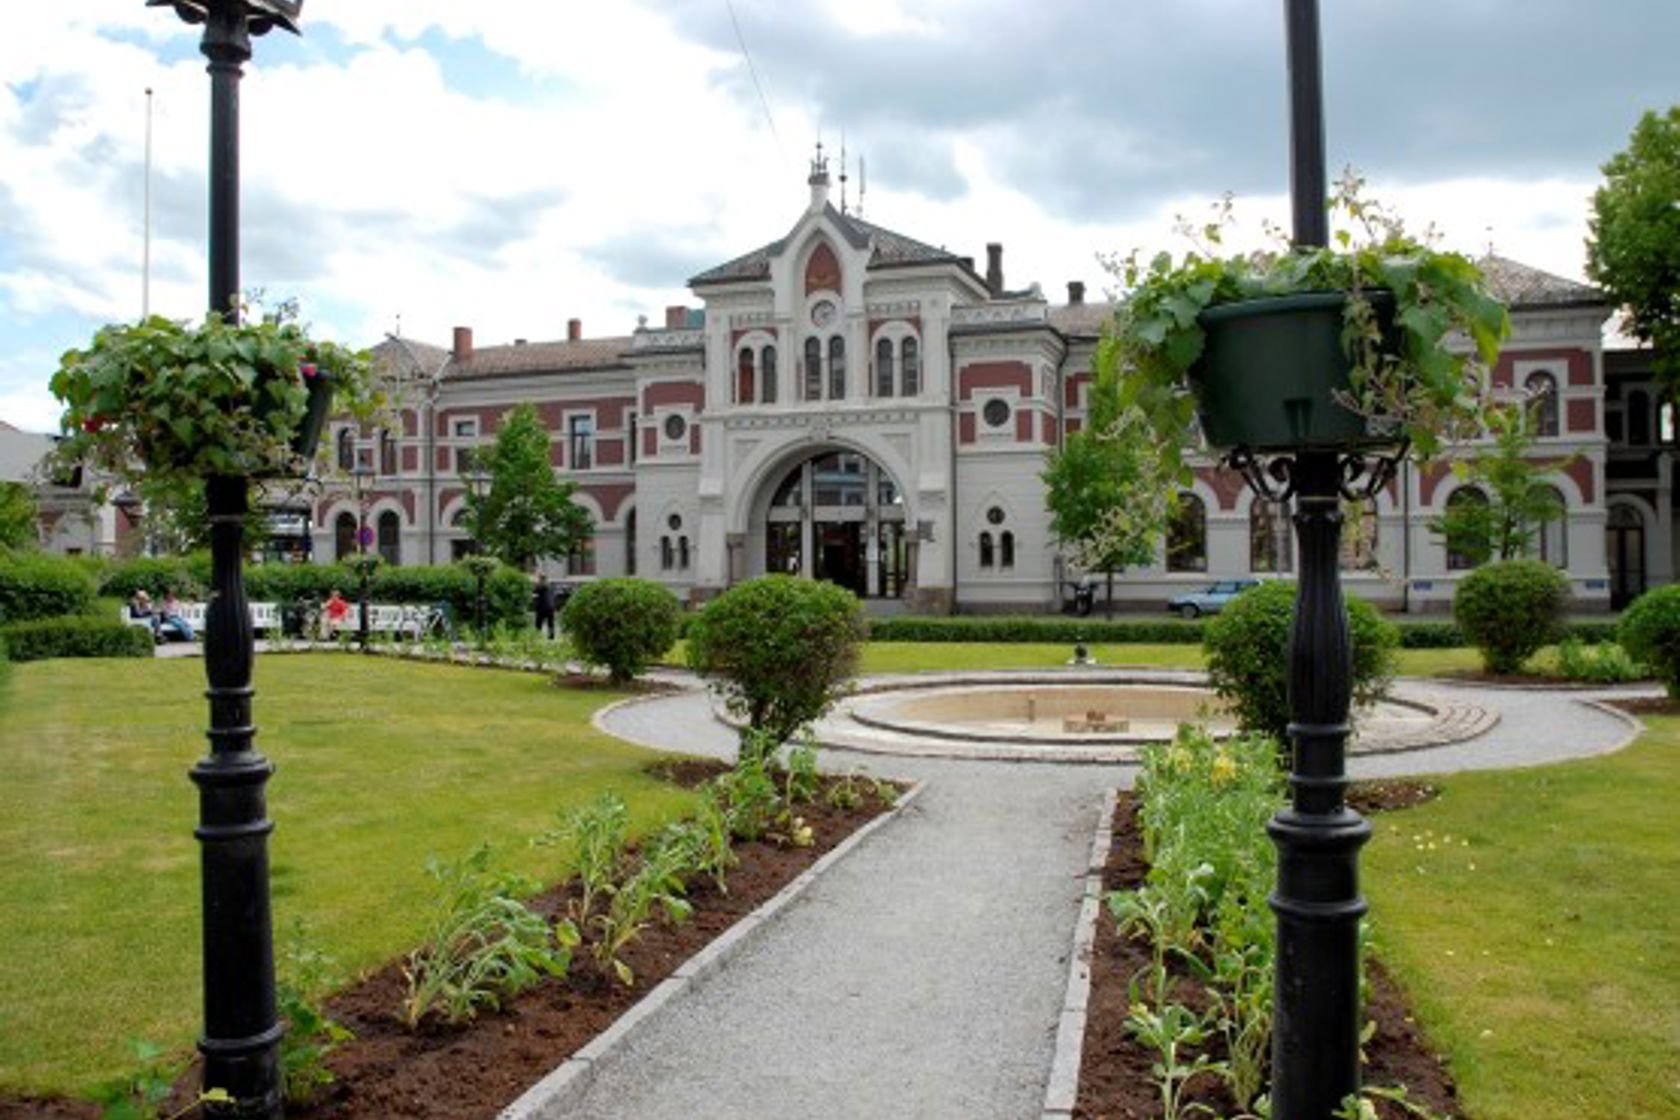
column 164, row 399
column 1429, row 390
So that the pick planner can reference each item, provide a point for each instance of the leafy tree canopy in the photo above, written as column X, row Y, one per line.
column 1634, row 247
column 17, row 516
column 526, row 513
column 1519, row 502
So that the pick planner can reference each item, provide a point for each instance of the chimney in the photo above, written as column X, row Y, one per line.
column 463, row 344
column 519, row 342
column 574, row 330
column 994, row 268
column 676, row 317
column 1076, row 292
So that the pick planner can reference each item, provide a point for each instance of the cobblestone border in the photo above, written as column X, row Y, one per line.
column 557, row 1094
column 1061, row 1093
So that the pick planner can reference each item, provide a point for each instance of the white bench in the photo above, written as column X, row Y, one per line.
column 406, row 620
column 265, row 617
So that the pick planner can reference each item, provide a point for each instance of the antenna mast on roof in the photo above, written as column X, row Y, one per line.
column 863, row 183
column 842, row 171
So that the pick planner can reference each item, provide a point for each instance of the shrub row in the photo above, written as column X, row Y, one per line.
column 1012, row 628
column 74, row 636
column 506, row 592
column 37, row 585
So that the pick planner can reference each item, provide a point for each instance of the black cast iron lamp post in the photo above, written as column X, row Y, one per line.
column 361, row 480
column 241, row 1040
column 1315, row 1018
column 478, row 484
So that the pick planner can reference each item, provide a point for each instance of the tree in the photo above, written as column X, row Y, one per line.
column 1634, row 247
column 527, row 513
column 780, row 649
column 1108, row 502
column 17, row 517
column 1519, row 503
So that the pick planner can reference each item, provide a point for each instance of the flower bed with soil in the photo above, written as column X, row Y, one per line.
column 1119, row 1075
column 477, row 1068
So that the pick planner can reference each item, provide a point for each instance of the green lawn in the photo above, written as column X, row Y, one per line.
column 381, row 764
column 1534, row 915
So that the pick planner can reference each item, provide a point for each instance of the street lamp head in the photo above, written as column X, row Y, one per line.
column 477, row 480
column 361, row 477
column 260, row 15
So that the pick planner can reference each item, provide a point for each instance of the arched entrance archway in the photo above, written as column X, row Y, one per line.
column 839, row 516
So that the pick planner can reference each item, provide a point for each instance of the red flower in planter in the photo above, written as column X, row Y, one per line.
column 93, row 424
column 308, row 370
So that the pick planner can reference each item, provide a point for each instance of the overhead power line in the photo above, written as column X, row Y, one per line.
column 763, row 101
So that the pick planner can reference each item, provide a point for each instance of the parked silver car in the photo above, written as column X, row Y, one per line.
column 1210, row 599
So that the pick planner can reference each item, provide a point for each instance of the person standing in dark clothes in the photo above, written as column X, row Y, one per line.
column 542, row 605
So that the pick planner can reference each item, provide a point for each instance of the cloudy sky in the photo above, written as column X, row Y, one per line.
column 511, row 164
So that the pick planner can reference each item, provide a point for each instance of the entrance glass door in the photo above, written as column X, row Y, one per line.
column 1624, row 545
column 840, row 554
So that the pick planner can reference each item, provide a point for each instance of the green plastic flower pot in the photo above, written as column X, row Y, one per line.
column 1271, row 370
column 308, row 436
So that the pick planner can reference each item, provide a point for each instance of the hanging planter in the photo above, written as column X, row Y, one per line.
column 1356, row 345
column 1274, row 374
column 161, row 400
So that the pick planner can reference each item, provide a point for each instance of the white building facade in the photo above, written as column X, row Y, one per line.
column 852, row 404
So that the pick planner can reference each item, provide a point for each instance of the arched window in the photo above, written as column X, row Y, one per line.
column 1006, row 549
column 667, row 559
column 1543, row 400
column 836, row 368
column 1269, row 543
column 390, row 535
column 744, row 377
column 813, row 370
column 630, row 543
column 767, row 375
column 912, row 371
column 1359, row 535
column 682, row 553
column 1554, row 532
column 1187, row 536
column 986, row 556
column 1469, row 533
column 344, row 536
column 1638, row 418
column 345, row 449
column 387, row 452
column 884, row 368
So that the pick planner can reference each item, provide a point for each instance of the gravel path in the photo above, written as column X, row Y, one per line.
column 923, row 975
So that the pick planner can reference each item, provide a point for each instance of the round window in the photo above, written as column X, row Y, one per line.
column 995, row 515
column 674, row 521
column 675, row 426
column 996, row 413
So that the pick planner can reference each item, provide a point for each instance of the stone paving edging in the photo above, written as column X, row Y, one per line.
column 1062, row 1091
column 560, row 1091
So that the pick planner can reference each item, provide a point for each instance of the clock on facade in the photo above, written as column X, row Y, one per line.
column 823, row 313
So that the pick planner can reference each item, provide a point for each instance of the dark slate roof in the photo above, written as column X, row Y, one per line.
column 1086, row 319
column 891, row 249
column 1520, row 285
column 510, row 360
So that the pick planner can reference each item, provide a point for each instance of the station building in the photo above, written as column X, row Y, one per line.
column 849, row 403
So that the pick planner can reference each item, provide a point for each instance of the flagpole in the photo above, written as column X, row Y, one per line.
column 146, row 236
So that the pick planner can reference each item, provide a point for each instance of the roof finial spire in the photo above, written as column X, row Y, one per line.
column 842, row 171
column 818, row 180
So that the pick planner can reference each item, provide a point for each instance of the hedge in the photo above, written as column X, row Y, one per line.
column 74, row 636
column 187, row 576
column 39, row 585
column 1012, row 628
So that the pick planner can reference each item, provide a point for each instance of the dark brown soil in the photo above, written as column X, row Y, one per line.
column 689, row 773
column 590, row 682
column 454, row 1073
column 1386, row 794
column 1115, row 1082
column 1649, row 706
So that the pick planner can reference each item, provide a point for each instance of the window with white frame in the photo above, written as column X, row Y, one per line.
column 580, row 442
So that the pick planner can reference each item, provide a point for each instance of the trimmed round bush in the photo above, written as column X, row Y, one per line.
column 40, row 585
column 1510, row 609
column 623, row 624
column 1650, row 631
column 781, row 647
column 1247, row 647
